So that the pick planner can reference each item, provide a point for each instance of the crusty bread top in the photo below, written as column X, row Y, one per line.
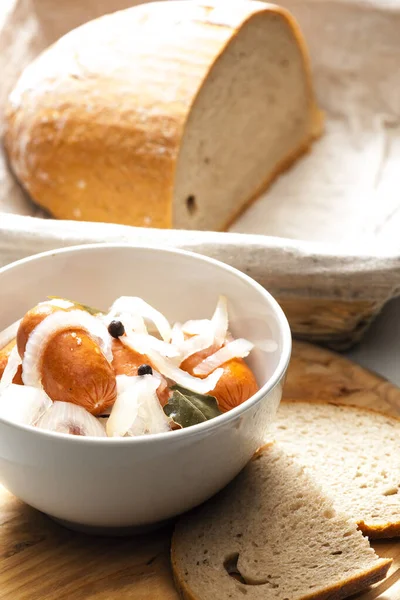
column 272, row 534
column 353, row 453
column 94, row 125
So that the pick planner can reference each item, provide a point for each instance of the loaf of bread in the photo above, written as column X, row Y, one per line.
column 272, row 535
column 354, row 454
column 169, row 114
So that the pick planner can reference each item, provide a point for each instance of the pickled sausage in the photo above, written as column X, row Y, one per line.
column 73, row 367
column 236, row 384
column 126, row 362
column 75, row 370
column 31, row 319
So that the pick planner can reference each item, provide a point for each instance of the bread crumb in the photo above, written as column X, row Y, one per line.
column 77, row 213
column 147, row 220
column 81, row 184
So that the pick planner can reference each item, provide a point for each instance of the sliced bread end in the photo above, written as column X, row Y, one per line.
column 353, row 453
column 272, row 535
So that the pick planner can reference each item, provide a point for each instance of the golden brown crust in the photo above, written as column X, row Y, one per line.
column 99, row 143
column 353, row 585
column 346, row 405
column 339, row 591
column 374, row 532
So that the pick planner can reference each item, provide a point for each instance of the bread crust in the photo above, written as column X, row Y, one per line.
column 342, row 590
column 95, row 141
column 367, row 409
column 373, row 532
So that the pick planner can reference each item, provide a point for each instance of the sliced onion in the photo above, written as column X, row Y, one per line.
column 126, row 406
column 197, row 343
column 220, row 320
column 219, row 323
column 14, row 360
column 151, row 417
column 137, row 410
column 145, row 343
column 170, row 370
column 239, row 348
column 134, row 323
column 65, row 417
column 23, row 404
column 130, row 322
column 59, row 302
column 177, row 335
column 123, row 383
column 137, row 306
column 103, row 420
column 162, row 383
column 196, row 326
column 59, row 321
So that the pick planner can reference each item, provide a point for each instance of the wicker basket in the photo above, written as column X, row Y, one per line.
column 324, row 238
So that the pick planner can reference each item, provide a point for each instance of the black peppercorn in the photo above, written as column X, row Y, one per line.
column 145, row 370
column 116, row 329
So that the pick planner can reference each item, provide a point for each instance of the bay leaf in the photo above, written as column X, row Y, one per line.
column 188, row 408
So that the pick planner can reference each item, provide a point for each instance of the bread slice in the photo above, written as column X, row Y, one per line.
column 168, row 114
column 272, row 534
column 354, row 454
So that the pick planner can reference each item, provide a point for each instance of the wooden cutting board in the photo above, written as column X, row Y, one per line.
column 40, row 560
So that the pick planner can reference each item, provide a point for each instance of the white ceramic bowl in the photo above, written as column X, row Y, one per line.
column 119, row 483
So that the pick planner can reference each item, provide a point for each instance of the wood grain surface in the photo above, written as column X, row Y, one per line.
column 41, row 560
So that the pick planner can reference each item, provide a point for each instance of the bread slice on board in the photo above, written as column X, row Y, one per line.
column 355, row 455
column 272, row 535
column 168, row 114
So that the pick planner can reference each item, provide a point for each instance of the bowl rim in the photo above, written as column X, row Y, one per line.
column 194, row 430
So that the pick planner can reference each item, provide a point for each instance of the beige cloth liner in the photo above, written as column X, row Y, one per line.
column 335, row 216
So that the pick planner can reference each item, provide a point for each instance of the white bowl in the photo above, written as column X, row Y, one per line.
column 131, row 482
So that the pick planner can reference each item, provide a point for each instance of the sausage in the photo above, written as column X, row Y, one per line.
column 236, row 384
column 31, row 319
column 75, row 370
column 126, row 362
column 4, row 354
column 73, row 367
